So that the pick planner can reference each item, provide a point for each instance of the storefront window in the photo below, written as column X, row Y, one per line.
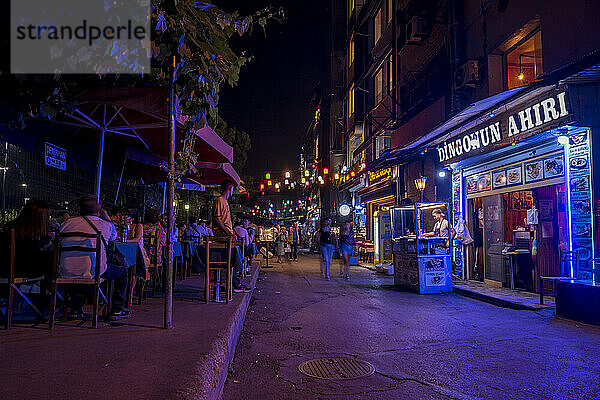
column 524, row 62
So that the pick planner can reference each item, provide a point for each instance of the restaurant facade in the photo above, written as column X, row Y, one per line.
column 523, row 182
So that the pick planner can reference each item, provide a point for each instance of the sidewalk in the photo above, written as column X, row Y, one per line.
column 132, row 359
column 504, row 297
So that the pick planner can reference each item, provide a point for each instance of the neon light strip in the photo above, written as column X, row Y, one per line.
column 589, row 140
column 567, row 147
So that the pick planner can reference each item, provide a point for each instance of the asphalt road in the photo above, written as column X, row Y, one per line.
column 423, row 347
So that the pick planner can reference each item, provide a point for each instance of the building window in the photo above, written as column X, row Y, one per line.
column 351, row 52
column 389, row 75
column 379, row 86
column 377, row 26
column 382, row 144
column 524, row 62
column 351, row 101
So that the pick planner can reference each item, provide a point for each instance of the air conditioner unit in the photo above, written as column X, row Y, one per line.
column 416, row 30
column 467, row 75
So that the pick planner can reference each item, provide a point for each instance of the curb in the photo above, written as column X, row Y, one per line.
column 214, row 367
column 495, row 301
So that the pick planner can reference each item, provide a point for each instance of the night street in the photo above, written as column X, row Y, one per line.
column 437, row 346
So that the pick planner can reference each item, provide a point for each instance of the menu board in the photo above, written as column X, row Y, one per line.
column 499, row 179
column 554, row 166
column 581, row 201
column 514, row 176
column 534, row 171
column 456, row 195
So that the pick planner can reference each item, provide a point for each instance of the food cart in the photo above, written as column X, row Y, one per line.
column 422, row 256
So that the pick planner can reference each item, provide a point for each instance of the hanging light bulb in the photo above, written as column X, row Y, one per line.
column 287, row 174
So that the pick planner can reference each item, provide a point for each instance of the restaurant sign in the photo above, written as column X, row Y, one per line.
column 380, row 175
column 533, row 117
column 55, row 156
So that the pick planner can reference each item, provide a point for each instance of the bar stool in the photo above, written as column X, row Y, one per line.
column 218, row 242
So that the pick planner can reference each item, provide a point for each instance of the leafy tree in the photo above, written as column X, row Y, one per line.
column 197, row 34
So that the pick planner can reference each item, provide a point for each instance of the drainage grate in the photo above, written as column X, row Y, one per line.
column 336, row 368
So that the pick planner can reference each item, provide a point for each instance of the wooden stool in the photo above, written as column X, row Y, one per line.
column 216, row 242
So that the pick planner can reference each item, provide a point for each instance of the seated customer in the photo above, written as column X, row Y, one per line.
column 33, row 245
column 194, row 231
column 223, row 227
column 208, row 229
column 151, row 226
column 93, row 219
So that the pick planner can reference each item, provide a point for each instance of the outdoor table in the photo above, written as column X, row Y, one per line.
column 189, row 247
column 177, row 251
column 132, row 253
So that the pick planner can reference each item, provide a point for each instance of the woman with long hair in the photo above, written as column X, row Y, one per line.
column 33, row 245
column 346, row 248
column 327, row 242
column 281, row 241
column 33, row 240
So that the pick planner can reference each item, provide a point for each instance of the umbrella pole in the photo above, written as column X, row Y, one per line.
column 168, row 322
column 99, row 163
column 120, row 179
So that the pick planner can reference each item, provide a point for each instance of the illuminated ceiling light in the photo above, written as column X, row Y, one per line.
column 344, row 169
column 303, row 180
column 287, row 181
column 262, row 186
column 187, row 206
column 267, row 176
column 442, row 174
column 269, row 182
column 277, row 185
column 287, row 174
column 306, row 173
column 352, row 173
column 564, row 140
column 325, row 171
column 306, row 183
column 521, row 76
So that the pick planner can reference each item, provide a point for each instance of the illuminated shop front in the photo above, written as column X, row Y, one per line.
column 522, row 180
column 378, row 198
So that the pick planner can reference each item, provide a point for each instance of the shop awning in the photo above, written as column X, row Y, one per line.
column 470, row 114
column 215, row 173
column 139, row 116
column 150, row 167
column 391, row 158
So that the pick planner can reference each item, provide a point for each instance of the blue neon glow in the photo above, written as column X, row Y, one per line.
column 569, row 217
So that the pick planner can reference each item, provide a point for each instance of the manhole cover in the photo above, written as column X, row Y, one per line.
column 336, row 368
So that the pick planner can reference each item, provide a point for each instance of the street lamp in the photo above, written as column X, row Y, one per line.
column 420, row 184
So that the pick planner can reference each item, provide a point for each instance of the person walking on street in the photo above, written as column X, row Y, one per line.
column 281, row 242
column 346, row 248
column 294, row 238
column 326, row 240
